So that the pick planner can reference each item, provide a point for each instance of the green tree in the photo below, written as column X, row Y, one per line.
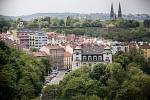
column 68, row 21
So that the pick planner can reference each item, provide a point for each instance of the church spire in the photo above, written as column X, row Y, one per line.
column 119, row 11
column 112, row 11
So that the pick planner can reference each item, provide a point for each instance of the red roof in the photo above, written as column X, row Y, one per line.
column 144, row 46
column 39, row 54
column 67, row 54
column 54, row 47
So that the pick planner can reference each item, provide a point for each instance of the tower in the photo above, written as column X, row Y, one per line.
column 107, row 55
column 77, row 57
column 119, row 11
column 112, row 12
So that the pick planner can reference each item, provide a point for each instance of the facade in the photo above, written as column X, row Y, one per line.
column 67, row 60
column 77, row 57
column 117, row 46
column 30, row 38
column 91, row 54
column 145, row 47
column 40, row 39
column 23, row 37
column 55, row 38
column 55, row 54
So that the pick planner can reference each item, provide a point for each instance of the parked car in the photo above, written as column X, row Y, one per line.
column 55, row 72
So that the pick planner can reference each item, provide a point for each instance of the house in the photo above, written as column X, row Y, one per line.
column 55, row 38
column 145, row 47
column 55, row 54
column 40, row 40
column 119, row 46
column 67, row 60
column 91, row 54
column 31, row 38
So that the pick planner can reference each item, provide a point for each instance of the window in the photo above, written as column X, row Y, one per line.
column 100, row 58
column 84, row 58
column 77, row 64
column 89, row 58
column 94, row 57
column 107, row 59
column 77, row 53
column 77, row 58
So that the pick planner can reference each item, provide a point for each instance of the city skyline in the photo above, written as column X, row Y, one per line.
column 27, row 7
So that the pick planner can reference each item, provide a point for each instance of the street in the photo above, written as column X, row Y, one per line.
column 58, row 78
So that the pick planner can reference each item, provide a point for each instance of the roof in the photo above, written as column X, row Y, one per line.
column 67, row 54
column 144, row 46
column 39, row 54
column 92, row 49
column 54, row 47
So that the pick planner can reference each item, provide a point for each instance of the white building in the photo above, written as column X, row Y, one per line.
column 41, row 39
column 91, row 54
column 119, row 46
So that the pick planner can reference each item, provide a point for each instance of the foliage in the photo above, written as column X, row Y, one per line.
column 21, row 76
column 147, row 23
column 121, row 80
column 4, row 25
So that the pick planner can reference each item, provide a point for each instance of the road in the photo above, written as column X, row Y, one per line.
column 58, row 78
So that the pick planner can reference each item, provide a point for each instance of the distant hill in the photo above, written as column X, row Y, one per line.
column 101, row 16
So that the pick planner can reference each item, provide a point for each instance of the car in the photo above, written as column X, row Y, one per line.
column 55, row 72
column 69, row 70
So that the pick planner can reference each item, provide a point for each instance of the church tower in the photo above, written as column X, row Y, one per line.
column 112, row 14
column 119, row 11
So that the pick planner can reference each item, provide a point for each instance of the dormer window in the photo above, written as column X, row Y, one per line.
column 107, row 59
column 89, row 58
column 95, row 58
column 84, row 58
column 77, row 53
column 99, row 58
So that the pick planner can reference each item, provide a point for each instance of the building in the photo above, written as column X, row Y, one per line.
column 31, row 38
column 145, row 47
column 55, row 54
column 67, row 60
column 113, row 14
column 41, row 39
column 91, row 54
column 77, row 57
column 119, row 11
column 55, row 38
column 39, row 54
column 119, row 46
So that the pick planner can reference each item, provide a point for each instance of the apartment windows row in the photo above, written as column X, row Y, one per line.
column 92, row 58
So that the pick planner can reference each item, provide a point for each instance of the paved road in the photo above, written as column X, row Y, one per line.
column 58, row 78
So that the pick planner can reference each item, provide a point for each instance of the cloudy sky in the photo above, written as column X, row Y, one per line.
column 25, row 7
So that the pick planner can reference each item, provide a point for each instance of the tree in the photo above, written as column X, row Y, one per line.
column 68, row 21
column 21, row 76
column 100, row 73
column 51, row 92
column 122, row 58
column 146, row 23
column 4, row 25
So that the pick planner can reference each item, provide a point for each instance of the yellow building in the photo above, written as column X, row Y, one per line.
column 145, row 47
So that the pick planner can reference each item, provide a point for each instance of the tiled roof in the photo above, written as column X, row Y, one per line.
column 54, row 47
column 67, row 54
column 144, row 46
column 39, row 54
column 92, row 49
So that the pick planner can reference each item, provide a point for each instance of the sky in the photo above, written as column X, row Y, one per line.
column 27, row 7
